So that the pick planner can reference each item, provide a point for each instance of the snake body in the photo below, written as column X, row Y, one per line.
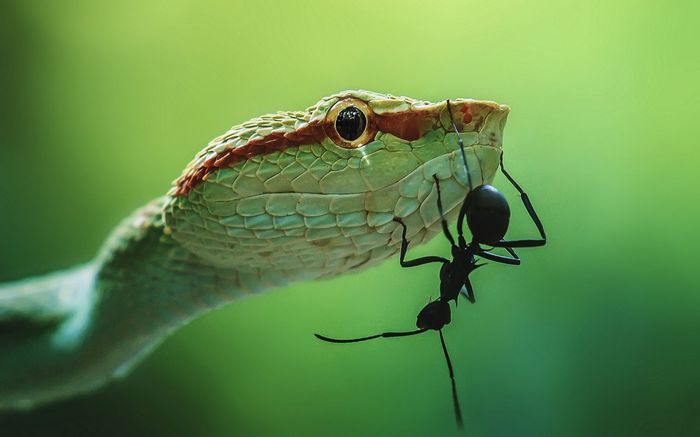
column 280, row 198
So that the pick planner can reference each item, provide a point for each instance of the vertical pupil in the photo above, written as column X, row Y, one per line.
column 350, row 123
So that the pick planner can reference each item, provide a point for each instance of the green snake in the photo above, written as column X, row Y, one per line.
column 284, row 197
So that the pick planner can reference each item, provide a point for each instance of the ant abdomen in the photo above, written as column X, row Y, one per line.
column 487, row 214
column 435, row 315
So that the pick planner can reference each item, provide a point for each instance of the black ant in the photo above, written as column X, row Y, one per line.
column 488, row 215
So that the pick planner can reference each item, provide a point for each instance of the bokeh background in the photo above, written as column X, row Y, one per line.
column 103, row 103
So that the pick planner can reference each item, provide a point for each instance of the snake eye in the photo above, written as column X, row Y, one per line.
column 349, row 123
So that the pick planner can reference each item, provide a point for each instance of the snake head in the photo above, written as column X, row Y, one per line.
column 316, row 192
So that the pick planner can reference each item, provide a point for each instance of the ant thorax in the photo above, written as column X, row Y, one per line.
column 463, row 255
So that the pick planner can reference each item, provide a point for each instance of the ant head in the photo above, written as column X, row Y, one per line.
column 435, row 315
column 487, row 213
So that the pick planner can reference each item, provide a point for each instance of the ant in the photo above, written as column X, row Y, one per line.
column 488, row 214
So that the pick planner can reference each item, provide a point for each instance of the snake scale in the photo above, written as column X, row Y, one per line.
column 284, row 197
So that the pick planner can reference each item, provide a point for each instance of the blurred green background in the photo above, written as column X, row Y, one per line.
column 103, row 103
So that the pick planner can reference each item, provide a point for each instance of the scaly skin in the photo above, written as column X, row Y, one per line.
column 273, row 200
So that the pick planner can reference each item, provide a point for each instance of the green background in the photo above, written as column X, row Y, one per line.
column 103, row 103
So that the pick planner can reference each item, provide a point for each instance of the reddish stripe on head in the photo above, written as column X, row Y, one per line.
column 313, row 133
column 407, row 125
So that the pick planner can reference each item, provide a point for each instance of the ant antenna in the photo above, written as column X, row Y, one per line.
column 462, row 211
column 461, row 145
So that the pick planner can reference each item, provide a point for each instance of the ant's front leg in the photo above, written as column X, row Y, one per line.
column 533, row 215
column 417, row 261
column 513, row 260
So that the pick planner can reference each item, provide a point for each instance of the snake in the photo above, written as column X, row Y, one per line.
column 284, row 197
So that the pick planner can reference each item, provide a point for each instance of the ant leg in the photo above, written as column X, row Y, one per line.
column 512, row 252
column 445, row 229
column 533, row 215
column 514, row 261
column 417, row 261
column 468, row 291
column 519, row 243
column 455, row 399
column 371, row 337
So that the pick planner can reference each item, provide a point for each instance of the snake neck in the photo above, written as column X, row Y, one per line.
column 142, row 286
column 147, row 285
column 142, row 253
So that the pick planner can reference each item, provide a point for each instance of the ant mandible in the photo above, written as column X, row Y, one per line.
column 488, row 214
